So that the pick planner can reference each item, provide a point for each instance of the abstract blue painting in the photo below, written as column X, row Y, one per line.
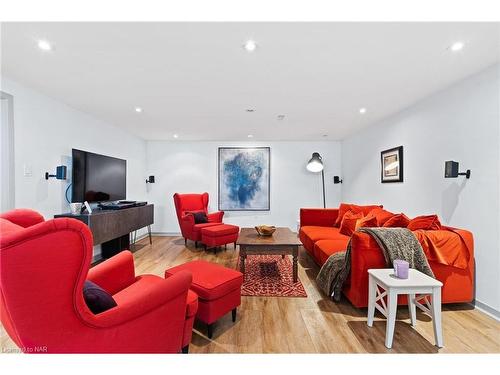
column 244, row 179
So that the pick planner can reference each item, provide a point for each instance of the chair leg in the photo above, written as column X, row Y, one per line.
column 233, row 313
column 210, row 329
column 185, row 349
column 185, row 241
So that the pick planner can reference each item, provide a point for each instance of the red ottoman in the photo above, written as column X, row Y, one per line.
column 218, row 289
column 219, row 235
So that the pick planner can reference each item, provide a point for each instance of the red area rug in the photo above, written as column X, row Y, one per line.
column 270, row 276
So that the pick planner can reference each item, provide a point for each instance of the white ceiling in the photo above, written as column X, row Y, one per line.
column 196, row 80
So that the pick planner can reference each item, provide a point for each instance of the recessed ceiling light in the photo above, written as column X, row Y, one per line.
column 138, row 109
column 457, row 46
column 250, row 45
column 176, row 136
column 250, row 110
column 362, row 111
column 44, row 45
column 250, row 135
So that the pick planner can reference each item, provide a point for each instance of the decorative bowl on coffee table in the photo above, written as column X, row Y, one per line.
column 265, row 230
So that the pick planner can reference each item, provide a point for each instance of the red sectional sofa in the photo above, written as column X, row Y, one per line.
column 321, row 238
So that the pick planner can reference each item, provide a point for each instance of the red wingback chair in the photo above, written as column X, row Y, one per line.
column 188, row 203
column 43, row 265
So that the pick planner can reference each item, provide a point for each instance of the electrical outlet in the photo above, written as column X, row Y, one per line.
column 27, row 170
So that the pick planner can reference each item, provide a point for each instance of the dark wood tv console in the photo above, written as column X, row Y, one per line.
column 111, row 228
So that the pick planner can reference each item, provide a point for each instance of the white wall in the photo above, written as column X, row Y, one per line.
column 45, row 131
column 460, row 123
column 186, row 167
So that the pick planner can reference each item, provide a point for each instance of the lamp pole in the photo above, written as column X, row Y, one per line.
column 323, row 183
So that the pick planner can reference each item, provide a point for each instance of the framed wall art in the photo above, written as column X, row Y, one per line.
column 244, row 178
column 392, row 165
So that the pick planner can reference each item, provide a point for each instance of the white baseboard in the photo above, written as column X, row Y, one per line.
column 484, row 308
column 167, row 234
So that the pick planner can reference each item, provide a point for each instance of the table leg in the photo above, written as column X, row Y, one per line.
column 242, row 261
column 392, row 305
column 412, row 309
column 436, row 316
column 372, row 295
column 295, row 264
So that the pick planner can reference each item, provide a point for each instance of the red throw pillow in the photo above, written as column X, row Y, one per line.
column 344, row 207
column 348, row 225
column 427, row 222
column 381, row 215
column 397, row 221
column 369, row 221
column 365, row 209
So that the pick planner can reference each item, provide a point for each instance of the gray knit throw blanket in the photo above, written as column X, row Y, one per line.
column 396, row 243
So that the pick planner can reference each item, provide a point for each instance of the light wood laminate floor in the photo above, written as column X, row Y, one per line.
column 314, row 324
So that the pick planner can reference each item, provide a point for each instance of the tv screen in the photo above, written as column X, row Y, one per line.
column 98, row 178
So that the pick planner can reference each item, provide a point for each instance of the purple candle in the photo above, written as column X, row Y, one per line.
column 401, row 268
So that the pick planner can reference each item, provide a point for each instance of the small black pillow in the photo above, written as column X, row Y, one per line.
column 96, row 298
column 200, row 217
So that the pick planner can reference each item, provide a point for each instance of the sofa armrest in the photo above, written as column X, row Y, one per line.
column 23, row 217
column 215, row 217
column 114, row 274
column 467, row 238
column 323, row 217
column 365, row 255
column 172, row 291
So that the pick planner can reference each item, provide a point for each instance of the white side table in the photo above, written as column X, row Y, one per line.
column 418, row 287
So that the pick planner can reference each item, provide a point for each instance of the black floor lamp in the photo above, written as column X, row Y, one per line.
column 315, row 165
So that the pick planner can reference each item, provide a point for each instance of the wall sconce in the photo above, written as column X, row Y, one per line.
column 451, row 170
column 150, row 180
column 60, row 173
column 337, row 180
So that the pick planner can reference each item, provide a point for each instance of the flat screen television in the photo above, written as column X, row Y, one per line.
column 98, row 178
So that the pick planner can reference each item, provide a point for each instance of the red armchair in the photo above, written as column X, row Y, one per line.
column 43, row 267
column 187, row 203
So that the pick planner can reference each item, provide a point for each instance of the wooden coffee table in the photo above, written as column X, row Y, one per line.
column 282, row 242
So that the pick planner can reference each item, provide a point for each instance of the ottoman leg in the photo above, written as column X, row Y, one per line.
column 185, row 349
column 233, row 312
column 196, row 244
column 210, row 329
